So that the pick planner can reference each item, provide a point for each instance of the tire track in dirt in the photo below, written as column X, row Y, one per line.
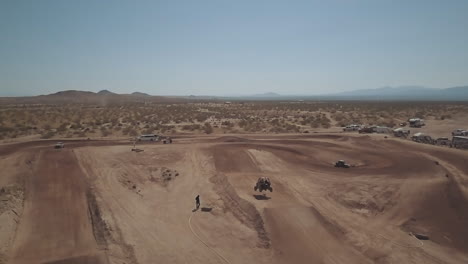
column 243, row 210
column 204, row 243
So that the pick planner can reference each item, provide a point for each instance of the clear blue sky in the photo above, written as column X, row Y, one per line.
column 230, row 47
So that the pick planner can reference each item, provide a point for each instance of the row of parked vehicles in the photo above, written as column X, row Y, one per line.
column 413, row 122
column 456, row 142
column 459, row 136
column 367, row 129
column 154, row 137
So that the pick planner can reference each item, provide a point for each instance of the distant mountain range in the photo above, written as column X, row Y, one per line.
column 103, row 97
column 408, row 93
column 267, row 95
column 401, row 93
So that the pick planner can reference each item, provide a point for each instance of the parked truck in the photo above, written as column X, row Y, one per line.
column 351, row 128
column 443, row 141
column 416, row 122
column 460, row 132
column 422, row 138
column 401, row 132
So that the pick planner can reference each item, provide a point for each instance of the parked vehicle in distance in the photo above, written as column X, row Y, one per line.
column 364, row 130
column 460, row 132
column 460, row 142
column 148, row 137
column 422, row 138
column 416, row 122
column 444, row 141
column 59, row 145
column 382, row 130
column 401, row 132
column 351, row 128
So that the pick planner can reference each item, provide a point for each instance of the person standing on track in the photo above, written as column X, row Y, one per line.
column 197, row 201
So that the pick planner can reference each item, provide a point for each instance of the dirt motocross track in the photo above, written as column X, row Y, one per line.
column 99, row 202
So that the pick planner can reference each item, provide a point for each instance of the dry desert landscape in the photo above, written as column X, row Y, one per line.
column 233, row 132
column 96, row 201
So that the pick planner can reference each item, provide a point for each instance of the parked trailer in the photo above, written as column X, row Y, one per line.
column 416, row 122
column 460, row 142
column 148, row 137
column 382, row 130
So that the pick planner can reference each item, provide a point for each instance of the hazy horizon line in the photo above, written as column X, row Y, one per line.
column 236, row 94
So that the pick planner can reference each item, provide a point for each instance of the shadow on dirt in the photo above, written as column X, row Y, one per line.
column 203, row 209
column 137, row 150
column 261, row 197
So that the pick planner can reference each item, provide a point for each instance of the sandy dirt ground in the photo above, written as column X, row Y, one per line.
column 55, row 226
column 100, row 202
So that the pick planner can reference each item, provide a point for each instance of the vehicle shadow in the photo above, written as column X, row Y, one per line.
column 261, row 197
column 206, row 209
column 137, row 150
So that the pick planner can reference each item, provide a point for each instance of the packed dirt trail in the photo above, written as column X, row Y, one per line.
column 149, row 211
column 55, row 226
column 120, row 206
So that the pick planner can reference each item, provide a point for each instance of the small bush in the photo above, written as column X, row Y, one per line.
column 443, row 117
column 207, row 128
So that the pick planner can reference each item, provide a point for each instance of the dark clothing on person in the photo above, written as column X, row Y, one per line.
column 197, row 201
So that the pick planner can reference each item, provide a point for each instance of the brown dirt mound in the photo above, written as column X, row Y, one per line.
column 162, row 175
column 232, row 159
column 448, row 226
column 302, row 240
